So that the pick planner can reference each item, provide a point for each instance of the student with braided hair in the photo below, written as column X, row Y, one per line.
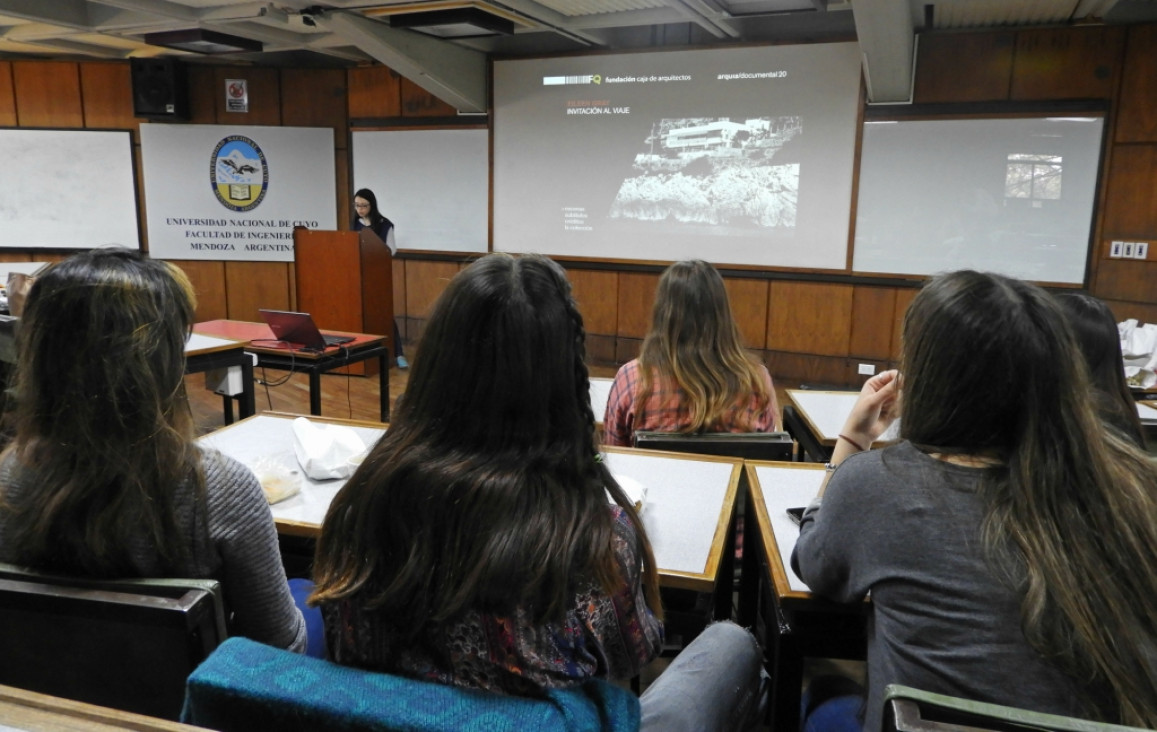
column 476, row 545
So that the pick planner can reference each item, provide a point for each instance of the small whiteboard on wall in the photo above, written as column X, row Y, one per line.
column 432, row 184
column 1014, row 196
column 67, row 189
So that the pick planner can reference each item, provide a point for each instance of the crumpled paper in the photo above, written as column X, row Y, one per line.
column 324, row 450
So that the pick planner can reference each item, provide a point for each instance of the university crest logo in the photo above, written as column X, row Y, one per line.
column 238, row 173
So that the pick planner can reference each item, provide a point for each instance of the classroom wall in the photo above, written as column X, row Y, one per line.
column 812, row 331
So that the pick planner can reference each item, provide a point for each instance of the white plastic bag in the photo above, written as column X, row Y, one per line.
column 324, row 450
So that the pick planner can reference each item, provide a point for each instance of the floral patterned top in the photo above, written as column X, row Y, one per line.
column 606, row 636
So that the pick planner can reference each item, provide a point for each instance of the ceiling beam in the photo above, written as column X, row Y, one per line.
column 887, row 39
column 454, row 74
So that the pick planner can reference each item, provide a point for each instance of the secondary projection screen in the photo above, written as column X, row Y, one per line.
column 1013, row 196
column 740, row 155
column 67, row 189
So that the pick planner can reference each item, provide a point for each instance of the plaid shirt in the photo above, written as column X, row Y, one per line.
column 666, row 409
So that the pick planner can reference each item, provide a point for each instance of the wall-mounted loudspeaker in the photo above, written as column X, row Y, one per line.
column 160, row 89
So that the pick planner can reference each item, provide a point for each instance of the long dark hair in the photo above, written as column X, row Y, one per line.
column 375, row 216
column 487, row 492
column 100, row 415
column 695, row 341
column 991, row 368
column 1099, row 341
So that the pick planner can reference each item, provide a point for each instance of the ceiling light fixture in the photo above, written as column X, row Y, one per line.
column 454, row 23
column 199, row 40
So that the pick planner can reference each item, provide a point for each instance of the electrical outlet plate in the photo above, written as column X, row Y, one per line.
column 867, row 369
column 1115, row 249
column 1141, row 250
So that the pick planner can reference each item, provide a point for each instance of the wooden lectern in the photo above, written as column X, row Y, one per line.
column 345, row 280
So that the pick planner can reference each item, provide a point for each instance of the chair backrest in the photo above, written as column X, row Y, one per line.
column 127, row 644
column 911, row 710
column 245, row 685
column 746, row 445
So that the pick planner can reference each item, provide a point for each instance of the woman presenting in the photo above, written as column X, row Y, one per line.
column 367, row 216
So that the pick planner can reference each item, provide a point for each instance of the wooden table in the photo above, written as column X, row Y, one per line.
column 797, row 624
column 208, row 353
column 261, row 342
column 688, row 511
column 814, row 419
column 31, row 712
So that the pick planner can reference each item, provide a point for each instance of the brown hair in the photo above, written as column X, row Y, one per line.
column 990, row 367
column 695, row 341
column 100, row 414
column 487, row 493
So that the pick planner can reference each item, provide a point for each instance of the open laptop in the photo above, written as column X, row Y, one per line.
column 299, row 328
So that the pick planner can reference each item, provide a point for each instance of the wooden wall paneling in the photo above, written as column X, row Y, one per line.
column 7, row 96
column 748, row 298
column 107, row 93
column 250, row 286
column 789, row 370
column 809, row 317
column 636, row 299
column 873, row 318
column 1127, row 279
column 1066, row 63
column 264, row 95
column 315, row 98
column 345, row 196
column 47, row 94
column 425, row 281
column 417, row 102
column 203, row 94
column 1131, row 198
column 142, row 212
column 964, row 67
column 904, row 298
column 1143, row 313
column 374, row 91
column 208, row 280
column 597, row 293
column 1137, row 109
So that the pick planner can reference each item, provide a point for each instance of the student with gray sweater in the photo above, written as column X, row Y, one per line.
column 102, row 477
column 1008, row 542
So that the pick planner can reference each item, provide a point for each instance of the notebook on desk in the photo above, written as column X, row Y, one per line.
column 299, row 328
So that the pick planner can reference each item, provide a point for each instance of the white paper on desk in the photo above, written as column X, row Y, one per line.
column 324, row 450
column 636, row 492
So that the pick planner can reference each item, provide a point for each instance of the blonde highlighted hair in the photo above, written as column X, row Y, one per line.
column 694, row 341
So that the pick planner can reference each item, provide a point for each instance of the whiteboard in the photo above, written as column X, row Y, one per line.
column 432, row 184
column 67, row 189
column 1014, row 196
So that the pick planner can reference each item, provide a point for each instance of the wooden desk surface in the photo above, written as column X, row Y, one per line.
column 825, row 412
column 32, row 712
column 688, row 506
column 774, row 488
column 252, row 334
column 199, row 344
column 1147, row 411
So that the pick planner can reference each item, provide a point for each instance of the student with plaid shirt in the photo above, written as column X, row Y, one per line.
column 693, row 374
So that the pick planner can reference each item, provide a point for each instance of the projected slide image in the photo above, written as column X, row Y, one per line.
column 739, row 155
column 718, row 171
